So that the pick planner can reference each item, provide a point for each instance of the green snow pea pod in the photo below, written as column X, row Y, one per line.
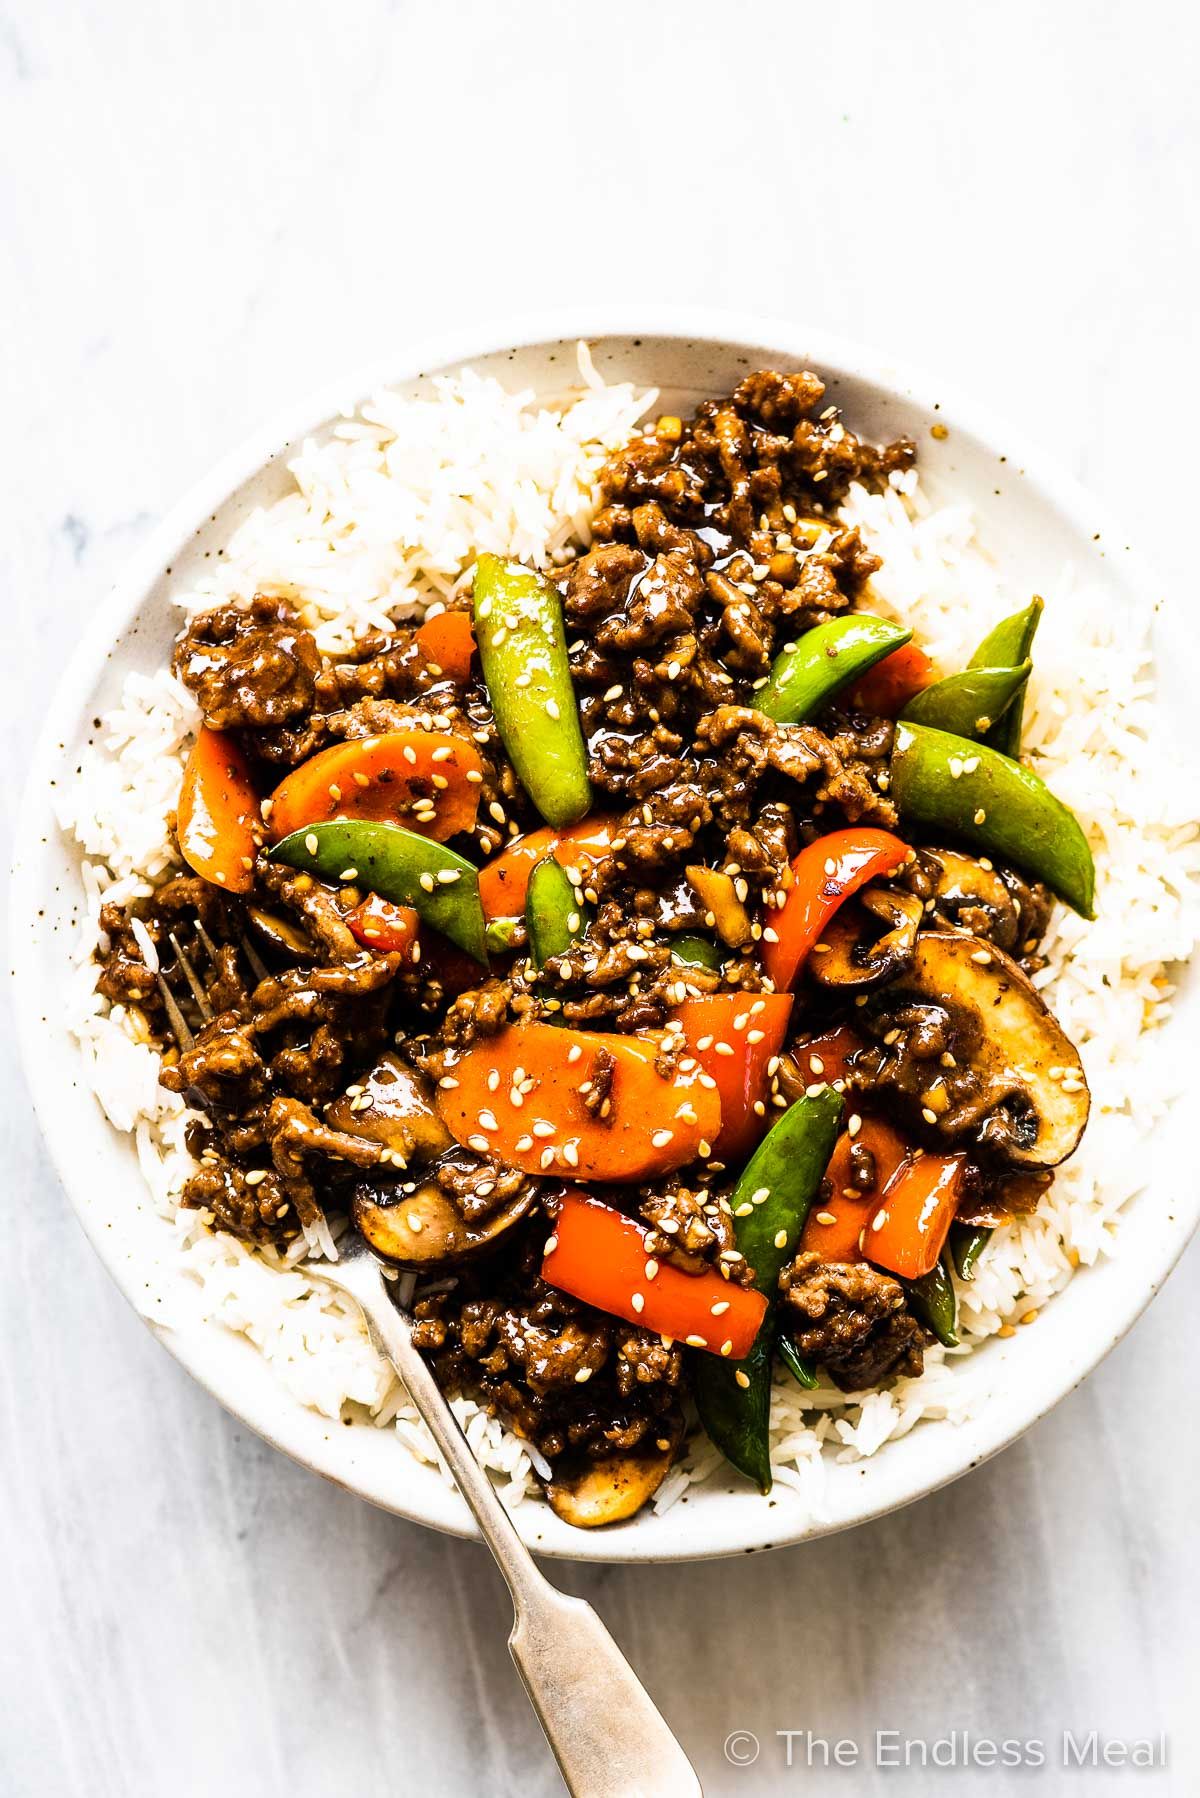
column 932, row 1299
column 554, row 912
column 805, row 677
column 523, row 654
column 969, row 704
column 967, row 1243
column 770, row 1203
column 1008, row 646
column 798, row 1365
column 397, row 864
column 697, row 951
column 501, row 934
column 947, row 783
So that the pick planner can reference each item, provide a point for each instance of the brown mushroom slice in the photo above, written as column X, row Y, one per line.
column 1031, row 1099
column 392, row 1105
column 613, row 1488
column 425, row 1229
column 964, row 886
column 851, row 956
column 718, row 895
column 280, row 933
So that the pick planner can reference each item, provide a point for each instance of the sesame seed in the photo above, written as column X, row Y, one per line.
column 612, row 693
column 448, row 1081
column 546, row 1159
column 583, row 1376
column 980, row 816
column 854, row 1125
column 982, row 957
column 704, row 1149
column 574, row 1052
column 723, row 1048
column 826, row 1217
column 256, row 1176
column 1029, row 1316
column 696, row 1341
column 543, row 1128
column 448, row 876
column 743, row 1211
column 427, row 883
column 1006, row 1330
column 479, row 1143
column 414, row 1223
column 311, row 843
column 651, row 1269
column 638, row 1302
column 551, row 1245
column 929, row 1116
column 742, row 1378
column 488, row 1120
column 879, row 1220
column 523, row 1145
column 493, row 1080
column 661, row 1138
column 552, row 710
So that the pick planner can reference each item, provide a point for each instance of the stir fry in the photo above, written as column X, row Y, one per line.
column 638, row 952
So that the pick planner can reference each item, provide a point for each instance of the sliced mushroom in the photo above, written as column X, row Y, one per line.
column 392, row 1105
column 718, row 895
column 590, row 1494
column 851, row 956
column 280, row 933
column 972, row 897
column 1005, row 1072
column 425, row 1229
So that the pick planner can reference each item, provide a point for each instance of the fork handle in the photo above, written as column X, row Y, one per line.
column 608, row 1738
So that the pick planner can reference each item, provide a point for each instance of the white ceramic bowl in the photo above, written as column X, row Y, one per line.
column 1032, row 517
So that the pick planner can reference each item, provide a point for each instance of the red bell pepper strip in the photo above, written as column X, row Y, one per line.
column 822, row 877
column 218, row 820
column 600, row 1256
column 836, row 1223
column 448, row 641
column 734, row 1037
column 909, row 1228
column 391, row 929
column 887, row 688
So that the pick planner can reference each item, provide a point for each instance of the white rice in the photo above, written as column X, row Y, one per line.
column 385, row 519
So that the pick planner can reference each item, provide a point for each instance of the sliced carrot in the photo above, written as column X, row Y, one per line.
column 390, row 928
column 887, row 688
column 654, row 1122
column 908, row 1230
column 822, row 876
column 504, row 881
column 834, row 1227
column 734, row 1037
column 448, row 641
column 385, row 778
column 600, row 1256
column 218, row 820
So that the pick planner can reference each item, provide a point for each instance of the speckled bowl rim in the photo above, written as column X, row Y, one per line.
column 721, row 1517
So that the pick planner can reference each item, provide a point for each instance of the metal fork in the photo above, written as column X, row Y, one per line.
column 607, row 1736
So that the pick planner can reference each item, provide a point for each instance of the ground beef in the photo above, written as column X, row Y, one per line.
column 248, row 665
column 852, row 1320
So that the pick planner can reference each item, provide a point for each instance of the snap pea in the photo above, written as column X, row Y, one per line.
column 554, row 911
column 696, row 950
column 806, row 677
column 950, row 784
column 798, row 1365
column 969, row 704
column 501, row 934
column 770, row 1203
column 399, row 865
column 523, row 654
column 932, row 1299
column 967, row 1243
column 1008, row 646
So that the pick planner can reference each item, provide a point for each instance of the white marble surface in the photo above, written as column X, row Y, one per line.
column 208, row 208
